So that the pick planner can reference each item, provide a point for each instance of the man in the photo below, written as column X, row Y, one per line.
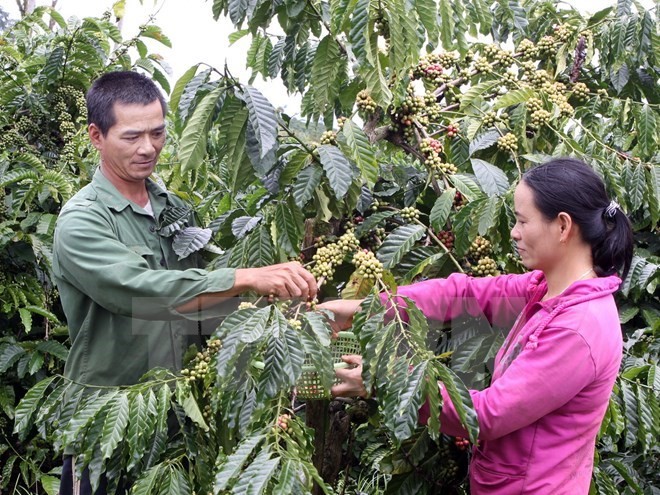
column 128, row 299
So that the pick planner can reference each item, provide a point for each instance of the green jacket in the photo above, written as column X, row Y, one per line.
column 119, row 282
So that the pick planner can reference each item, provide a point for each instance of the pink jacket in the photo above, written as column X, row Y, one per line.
column 551, row 382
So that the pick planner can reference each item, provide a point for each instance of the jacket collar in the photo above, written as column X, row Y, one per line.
column 581, row 290
column 111, row 197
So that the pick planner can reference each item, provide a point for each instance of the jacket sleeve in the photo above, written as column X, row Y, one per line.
column 536, row 383
column 88, row 256
column 500, row 299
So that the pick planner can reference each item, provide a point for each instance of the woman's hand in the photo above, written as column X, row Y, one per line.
column 343, row 311
column 351, row 384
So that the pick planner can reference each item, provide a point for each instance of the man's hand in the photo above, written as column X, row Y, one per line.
column 351, row 379
column 286, row 281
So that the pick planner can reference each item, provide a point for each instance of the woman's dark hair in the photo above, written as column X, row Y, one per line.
column 571, row 186
column 126, row 87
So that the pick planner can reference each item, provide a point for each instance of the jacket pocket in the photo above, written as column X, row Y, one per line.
column 140, row 249
column 487, row 478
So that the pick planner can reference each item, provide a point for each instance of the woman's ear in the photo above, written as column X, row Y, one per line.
column 566, row 226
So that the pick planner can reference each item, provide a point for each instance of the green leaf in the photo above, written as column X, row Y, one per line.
column 428, row 15
column 255, row 325
column 488, row 214
column 85, row 414
column 409, row 400
column 9, row 354
column 190, row 240
column 514, row 98
column 319, row 326
column 442, row 208
column 635, row 185
column 288, row 226
column 241, row 226
column 359, row 32
column 398, row 243
column 137, row 427
column 361, row 152
column 115, row 424
column 446, row 24
column 325, row 70
column 192, row 146
column 475, row 92
column 372, row 221
column 484, row 140
column 154, row 32
column 256, row 477
column 283, row 361
column 234, row 463
column 149, row 481
column 28, row 405
column 460, row 399
column 337, row 168
column 306, row 183
column 647, row 130
column 492, row 179
column 190, row 406
column 262, row 118
column 630, row 413
column 175, row 97
column 466, row 186
column 260, row 251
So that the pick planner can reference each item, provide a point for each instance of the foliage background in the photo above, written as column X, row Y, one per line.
column 412, row 157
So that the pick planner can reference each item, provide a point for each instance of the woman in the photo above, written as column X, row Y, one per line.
column 553, row 376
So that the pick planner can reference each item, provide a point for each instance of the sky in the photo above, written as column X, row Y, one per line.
column 197, row 37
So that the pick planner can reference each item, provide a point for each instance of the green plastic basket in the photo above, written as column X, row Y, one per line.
column 309, row 385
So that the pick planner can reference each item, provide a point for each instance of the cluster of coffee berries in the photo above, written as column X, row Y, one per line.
column 452, row 130
column 295, row 324
column 12, row 140
column 327, row 257
column 246, row 305
column 382, row 26
column 430, row 146
column 461, row 443
column 510, row 79
column 547, row 45
column 489, row 119
column 540, row 78
column 485, row 266
column 449, row 468
column 527, row 49
column 534, row 104
column 367, row 265
column 580, row 91
column 198, row 368
column 564, row 32
column 495, row 54
column 459, row 201
column 365, row 103
column 341, row 121
column 283, row 421
column 482, row 64
column 479, row 248
column 540, row 118
column 508, row 142
column 329, row 137
column 73, row 99
column 409, row 213
column 447, row 238
column 602, row 92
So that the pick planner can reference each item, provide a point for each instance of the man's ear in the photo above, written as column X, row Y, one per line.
column 565, row 226
column 95, row 136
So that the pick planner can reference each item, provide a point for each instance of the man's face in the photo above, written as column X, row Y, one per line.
column 130, row 149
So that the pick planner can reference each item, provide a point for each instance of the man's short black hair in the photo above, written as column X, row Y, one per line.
column 126, row 87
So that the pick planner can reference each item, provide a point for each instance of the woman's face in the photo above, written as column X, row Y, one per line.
column 536, row 237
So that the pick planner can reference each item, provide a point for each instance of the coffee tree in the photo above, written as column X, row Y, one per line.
column 418, row 119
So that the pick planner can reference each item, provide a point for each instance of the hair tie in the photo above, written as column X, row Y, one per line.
column 611, row 209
